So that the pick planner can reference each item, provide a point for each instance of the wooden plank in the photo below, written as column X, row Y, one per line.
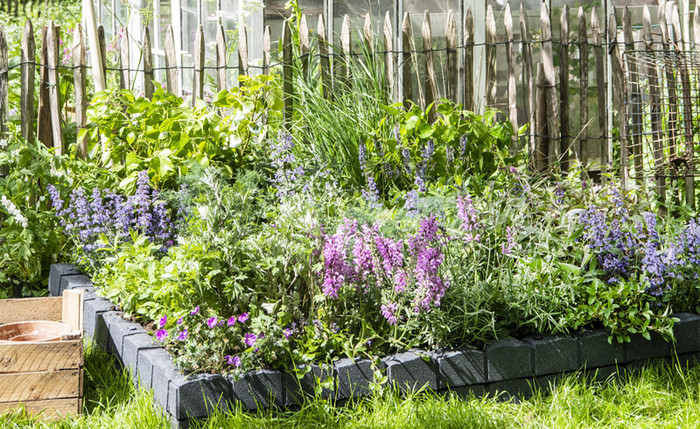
column 468, row 60
column 565, row 148
column 124, row 63
column 44, row 133
column 103, row 56
column 171, row 61
column 287, row 75
column 528, row 81
column 266, row 50
column 542, row 141
column 548, row 64
column 451, row 71
column 491, row 63
column 221, row 63
column 198, row 62
column 34, row 386
column 655, row 110
column 635, row 105
column 4, row 78
column 304, row 47
column 368, row 35
column 696, row 28
column 38, row 357
column 52, row 39
column 18, row 310
column 79, row 84
column 72, row 309
column 582, row 143
column 619, row 83
column 389, row 62
column 242, row 48
column 407, row 35
column 52, row 409
column 431, row 84
column 601, row 93
column 28, row 72
column 689, row 154
column 324, row 60
column 148, row 87
column 510, row 54
column 346, row 51
column 671, row 83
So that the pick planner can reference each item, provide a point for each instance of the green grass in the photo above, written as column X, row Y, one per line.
column 662, row 396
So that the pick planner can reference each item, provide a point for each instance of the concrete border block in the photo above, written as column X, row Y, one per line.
column 639, row 348
column 410, row 371
column 687, row 333
column 553, row 354
column 259, row 388
column 354, row 377
column 461, row 367
column 508, row 359
column 56, row 273
column 596, row 351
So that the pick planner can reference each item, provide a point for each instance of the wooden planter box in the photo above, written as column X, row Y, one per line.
column 46, row 379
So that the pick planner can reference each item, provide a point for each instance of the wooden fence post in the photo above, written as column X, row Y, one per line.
column 619, row 89
column 148, row 87
column 582, row 144
column 671, row 83
column 687, row 109
column 541, row 133
column 451, row 69
column 565, row 148
column 124, row 73
column 548, row 64
column 407, row 35
column 368, row 35
column 601, row 90
column 102, row 60
column 79, row 81
column 655, row 111
column 469, row 60
column 346, row 47
column 324, row 60
column 510, row 55
column 221, row 65
column 634, row 102
column 54, row 93
column 44, row 132
column 242, row 49
column 304, row 47
column 528, row 81
column 171, row 61
column 431, row 87
column 490, row 57
column 4, row 89
column 198, row 62
column 266, row 51
column 287, row 75
column 389, row 65
column 27, row 95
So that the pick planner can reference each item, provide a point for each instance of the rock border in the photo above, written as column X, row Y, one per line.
column 510, row 367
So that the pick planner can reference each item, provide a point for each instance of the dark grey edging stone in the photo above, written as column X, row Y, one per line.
column 302, row 383
column 510, row 366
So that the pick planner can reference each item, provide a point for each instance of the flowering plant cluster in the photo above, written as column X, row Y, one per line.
column 87, row 219
column 359, row 259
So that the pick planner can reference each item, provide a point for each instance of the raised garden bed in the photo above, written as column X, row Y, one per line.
column 42, row 374
column 510, row 366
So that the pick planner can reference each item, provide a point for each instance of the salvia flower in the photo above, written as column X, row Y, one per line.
column 389, row 312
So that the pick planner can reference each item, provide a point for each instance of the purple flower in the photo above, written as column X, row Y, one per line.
column 182, row 335
column 509, row 244
column 161, row 334
column 469, row 216
column 232, row 321
column 388, row 311
column 288, row 333
column 195, row 311
column 250, row 340
column 179, row 321
column 243, row 317
column 163, row 321
column 233, row 360
column 212, row 321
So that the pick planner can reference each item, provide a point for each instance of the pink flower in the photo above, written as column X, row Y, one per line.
column 160, row 335
column 182, row 335
column 163, row 321
column 232, row 321
column 195, row 311
column 212, row 322
column 250, row 340
column 179, row 321
column 233, row 360
column 243, row 317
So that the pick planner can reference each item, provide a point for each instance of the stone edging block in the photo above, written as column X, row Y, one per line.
column 58, row 272
column 553, row 354
column 686, row 332
column 411, row 370
column 508, row 359
column 354, row 377
column 596, row 351
column 463, row 367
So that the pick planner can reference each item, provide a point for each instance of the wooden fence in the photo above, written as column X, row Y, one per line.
column 547, row 109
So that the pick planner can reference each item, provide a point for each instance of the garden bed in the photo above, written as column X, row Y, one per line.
column 511, row 366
